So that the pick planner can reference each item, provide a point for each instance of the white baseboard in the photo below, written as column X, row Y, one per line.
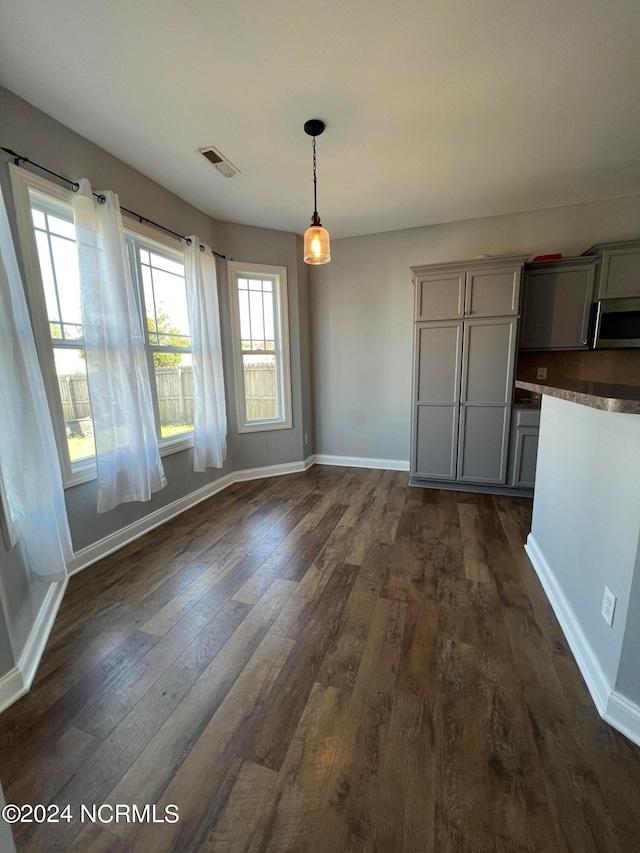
column 103, row 547
column 624, row 716
column 17, row 681
column 612, row 706
column 12, row 687
column 39, row 634
column 269, row 471
column 361, row 462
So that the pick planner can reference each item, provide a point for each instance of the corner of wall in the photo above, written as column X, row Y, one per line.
column 614, row 707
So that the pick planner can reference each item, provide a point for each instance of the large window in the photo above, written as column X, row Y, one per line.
column 56, row 243
column 47, row 236
column 261, row 346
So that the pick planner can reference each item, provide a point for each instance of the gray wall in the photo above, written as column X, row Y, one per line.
column 586, row 517
column 39, row 137
column 361, row 311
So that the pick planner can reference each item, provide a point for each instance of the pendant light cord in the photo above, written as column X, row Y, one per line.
column 315, row 198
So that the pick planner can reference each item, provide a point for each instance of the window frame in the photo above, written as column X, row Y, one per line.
column 235, row 270
column 22, row 181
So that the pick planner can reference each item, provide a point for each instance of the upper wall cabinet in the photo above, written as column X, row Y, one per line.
column 487, row 287
column 493, row 292
column 556, row 304
column 440, row 296
column 619, row 269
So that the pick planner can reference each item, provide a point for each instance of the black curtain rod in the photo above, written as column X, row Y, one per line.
column 75, row 186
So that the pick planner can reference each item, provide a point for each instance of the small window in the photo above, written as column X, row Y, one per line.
column 164, row 296
column 261, row 346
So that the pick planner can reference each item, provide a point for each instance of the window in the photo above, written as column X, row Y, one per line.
column 56, row 244
column 163, row 294
column 47, row 238
column 260, row 346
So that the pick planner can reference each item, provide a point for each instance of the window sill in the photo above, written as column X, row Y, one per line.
column 175, row 445
column 81, row 475
column 264, row 427
column 89, row 472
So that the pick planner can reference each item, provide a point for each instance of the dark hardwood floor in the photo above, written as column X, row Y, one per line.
column 329, row 661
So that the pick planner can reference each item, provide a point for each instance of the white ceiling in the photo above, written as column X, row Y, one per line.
column 435, row 111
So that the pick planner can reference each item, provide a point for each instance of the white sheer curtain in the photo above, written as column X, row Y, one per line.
column 210, row 414
column 127, row 454
column 28, row 454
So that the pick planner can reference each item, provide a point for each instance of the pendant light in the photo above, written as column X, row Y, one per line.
column 316, row 238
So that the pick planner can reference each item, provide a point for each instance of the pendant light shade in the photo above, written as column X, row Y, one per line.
column 316, row 244
column 317, row 249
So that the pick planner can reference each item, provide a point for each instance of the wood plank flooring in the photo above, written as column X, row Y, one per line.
column 329, row 661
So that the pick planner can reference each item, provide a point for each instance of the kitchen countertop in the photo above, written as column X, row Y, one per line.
column 598, row 395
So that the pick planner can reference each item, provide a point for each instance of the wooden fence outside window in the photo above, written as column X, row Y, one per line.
column 175, row 396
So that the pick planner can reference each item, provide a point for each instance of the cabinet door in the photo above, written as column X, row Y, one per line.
column 485, row 404
column 556, row 307
column 438, row 365
column 620, row 273
column 525, row 458
column 493, row 292
column 440, row 296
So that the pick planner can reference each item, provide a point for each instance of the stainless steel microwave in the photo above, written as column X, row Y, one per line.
column 617, row 323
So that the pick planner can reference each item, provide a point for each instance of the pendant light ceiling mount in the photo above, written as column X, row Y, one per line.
column 314, row 127
column 316, row 238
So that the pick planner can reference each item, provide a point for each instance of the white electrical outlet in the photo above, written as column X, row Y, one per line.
column 608, row 606
column 306, row 438
column 541, row 373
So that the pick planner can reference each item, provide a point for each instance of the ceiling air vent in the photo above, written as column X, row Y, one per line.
column 224, row 166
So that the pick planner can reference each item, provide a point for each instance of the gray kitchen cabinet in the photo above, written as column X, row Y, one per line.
column 479, row 288
column 489, row 349
column 619, row 269
column 493, row 292
column 439, row 296
column 523, row 449
column 556, row 304
column 437, row 398
column 463, row 370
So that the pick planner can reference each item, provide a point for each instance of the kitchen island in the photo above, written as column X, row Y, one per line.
column 585, row 533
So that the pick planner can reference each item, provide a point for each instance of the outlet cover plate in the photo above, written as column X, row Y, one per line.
column 608, row 606
column 541, row 373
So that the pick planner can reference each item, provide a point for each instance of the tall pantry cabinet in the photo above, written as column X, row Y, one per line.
column 466, row 317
